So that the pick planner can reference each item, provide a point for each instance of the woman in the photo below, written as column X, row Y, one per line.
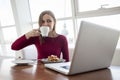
column 54, row 44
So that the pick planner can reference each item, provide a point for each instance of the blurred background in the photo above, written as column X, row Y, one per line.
column 20, row 16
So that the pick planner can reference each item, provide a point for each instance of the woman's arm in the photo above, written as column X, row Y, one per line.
column 25, row 40
column 20, row 43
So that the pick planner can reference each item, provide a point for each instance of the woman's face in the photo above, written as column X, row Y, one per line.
column 48, row 21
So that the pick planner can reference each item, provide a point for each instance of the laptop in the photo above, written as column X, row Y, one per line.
column 94, row 49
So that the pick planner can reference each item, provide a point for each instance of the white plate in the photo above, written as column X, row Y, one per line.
column 23, row 62
column 45, row 60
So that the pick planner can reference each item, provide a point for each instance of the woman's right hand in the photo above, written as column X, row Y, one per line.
column 33, row 33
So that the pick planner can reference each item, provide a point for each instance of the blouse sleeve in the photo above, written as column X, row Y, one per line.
column 21, row 43
column 65, row 50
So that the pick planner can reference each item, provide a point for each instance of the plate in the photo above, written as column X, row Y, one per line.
column 23, row 62
column 45, row 60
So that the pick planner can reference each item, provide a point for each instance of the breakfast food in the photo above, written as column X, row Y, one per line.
column 53, row 58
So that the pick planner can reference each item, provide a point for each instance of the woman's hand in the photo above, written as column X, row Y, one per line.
column 33, row 33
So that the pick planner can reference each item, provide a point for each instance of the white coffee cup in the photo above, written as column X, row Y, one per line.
column 44, row 30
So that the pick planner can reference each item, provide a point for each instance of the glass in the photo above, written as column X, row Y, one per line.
column 66, row 25
column 61, row 8
column 9, row 34
column 109, row 3
column 111, row 21
column 88, row 5
column 0, row 50
column 35, row 26
column 6, row 15
column 5, row 50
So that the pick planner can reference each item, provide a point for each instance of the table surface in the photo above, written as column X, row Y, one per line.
column 37, row 71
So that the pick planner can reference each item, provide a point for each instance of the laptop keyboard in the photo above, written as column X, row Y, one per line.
column 66, row 67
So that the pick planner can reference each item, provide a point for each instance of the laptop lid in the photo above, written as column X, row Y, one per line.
column 94, row 49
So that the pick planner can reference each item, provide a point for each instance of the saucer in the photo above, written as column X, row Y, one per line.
column 23, row 62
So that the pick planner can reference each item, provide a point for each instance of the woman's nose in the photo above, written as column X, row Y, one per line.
column 45, row 23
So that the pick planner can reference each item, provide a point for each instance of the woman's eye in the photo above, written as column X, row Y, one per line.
column 49, row 21
column 43, row 21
